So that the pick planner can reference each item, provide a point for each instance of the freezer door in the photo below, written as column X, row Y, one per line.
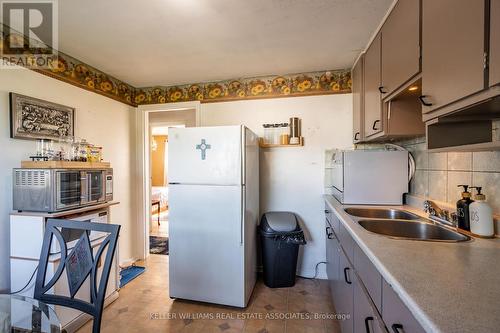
column 206, row 246
column 205, row 155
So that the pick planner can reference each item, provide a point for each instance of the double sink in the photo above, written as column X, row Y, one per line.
column 401, row 224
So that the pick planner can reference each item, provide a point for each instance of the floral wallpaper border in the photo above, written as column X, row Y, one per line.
column 68, row 69
column 303, row 84
column 65, row 68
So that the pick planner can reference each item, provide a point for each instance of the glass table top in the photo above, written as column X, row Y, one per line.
column 19, row 314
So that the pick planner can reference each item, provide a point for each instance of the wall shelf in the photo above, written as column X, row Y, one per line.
column 267, row 145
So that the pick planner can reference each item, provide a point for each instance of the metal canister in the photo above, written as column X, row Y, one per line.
column 294, row 127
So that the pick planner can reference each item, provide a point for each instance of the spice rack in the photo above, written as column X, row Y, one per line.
column 262, row 144
column 280, row 134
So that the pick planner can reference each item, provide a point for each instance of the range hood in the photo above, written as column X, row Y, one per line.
column 474, row 128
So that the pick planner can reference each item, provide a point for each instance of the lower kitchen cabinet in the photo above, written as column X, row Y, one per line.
column 372, row 280
column 344, row 292
column 365, row 318
column 396, row 315
column 332, row 256
column 358, row 289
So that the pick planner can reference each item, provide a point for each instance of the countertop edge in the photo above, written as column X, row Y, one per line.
column 427, row 324
column 66, row 212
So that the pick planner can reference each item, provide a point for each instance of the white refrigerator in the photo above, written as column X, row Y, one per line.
column 214, row 209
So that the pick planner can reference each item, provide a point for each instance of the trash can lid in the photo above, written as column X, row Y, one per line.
column 279, row 222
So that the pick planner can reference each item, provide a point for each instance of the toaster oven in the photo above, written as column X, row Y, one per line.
column 53, row 190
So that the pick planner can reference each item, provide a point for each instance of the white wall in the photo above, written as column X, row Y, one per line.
column 98, row 119
column 292, row 178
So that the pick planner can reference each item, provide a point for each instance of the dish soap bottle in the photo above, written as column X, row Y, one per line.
column 481, row 215
column 463, row 209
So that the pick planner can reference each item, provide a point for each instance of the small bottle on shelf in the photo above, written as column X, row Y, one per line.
column 284, row 136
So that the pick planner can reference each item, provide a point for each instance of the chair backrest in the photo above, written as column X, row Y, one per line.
column 80, row 262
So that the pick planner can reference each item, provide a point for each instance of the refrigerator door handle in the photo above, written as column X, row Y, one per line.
column 243, row 208
column 243, row 168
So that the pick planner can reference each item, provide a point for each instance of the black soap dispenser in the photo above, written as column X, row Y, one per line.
column 463, row 209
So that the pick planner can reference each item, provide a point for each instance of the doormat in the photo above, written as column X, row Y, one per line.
column 158, row 245
column 130, row 273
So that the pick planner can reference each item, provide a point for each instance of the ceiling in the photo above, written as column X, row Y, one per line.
column 167, row 42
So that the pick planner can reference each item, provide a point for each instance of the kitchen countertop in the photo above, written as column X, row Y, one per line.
column 449, row 287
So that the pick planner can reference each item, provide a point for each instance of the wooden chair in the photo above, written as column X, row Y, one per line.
column 79, row 263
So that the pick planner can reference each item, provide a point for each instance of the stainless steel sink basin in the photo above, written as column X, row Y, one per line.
column 381, row 213
column 413, row 230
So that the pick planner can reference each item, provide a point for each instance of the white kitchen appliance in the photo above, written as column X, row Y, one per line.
column 55, row 190
column 370, row 177
column 214, row 209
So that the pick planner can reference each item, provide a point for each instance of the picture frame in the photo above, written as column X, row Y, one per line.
column 32, row 118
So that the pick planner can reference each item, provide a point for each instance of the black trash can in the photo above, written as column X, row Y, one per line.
column 281, row 236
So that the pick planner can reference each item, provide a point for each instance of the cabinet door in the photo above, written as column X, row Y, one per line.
column 372, row 102
column 332, row 257
column 452, row 51
column 396, row 315
column 344, row 293
column 401, row 45
column 494, row 43
column 346, row 241
column 366, row 318
column 370, row 276
column 357, row 100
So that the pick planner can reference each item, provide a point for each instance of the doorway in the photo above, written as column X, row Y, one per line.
column 158, row 234
column 157, row 120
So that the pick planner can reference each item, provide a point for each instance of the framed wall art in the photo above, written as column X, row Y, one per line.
column 33, row 118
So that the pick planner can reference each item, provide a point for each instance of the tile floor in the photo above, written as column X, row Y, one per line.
column 144, row 306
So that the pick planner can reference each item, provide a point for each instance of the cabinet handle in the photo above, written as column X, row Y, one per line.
column 329, row 234
column 422, row 100
column 381, row 89
column 347, row 280
column 397, row 328
column 375, row 125
column 356, row 136
column 367, row 324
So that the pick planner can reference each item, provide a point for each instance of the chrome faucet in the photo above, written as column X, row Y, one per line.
column 440, row 215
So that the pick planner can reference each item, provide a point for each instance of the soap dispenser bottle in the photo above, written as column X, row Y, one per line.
column 463, row 209
column 481, row 215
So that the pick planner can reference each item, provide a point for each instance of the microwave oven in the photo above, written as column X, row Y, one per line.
column 54, row 190
column 369, row 177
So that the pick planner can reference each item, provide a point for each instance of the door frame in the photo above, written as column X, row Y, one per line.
column 143, row 167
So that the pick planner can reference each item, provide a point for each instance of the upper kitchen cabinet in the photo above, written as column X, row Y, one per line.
column 461, row 74
column 372, row 99
column 494, row 43
column 388, row 77
column 453, row 53
column 400, row 45
column 357, row 100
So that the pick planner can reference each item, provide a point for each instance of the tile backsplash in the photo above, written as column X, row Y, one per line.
column 438, row 175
